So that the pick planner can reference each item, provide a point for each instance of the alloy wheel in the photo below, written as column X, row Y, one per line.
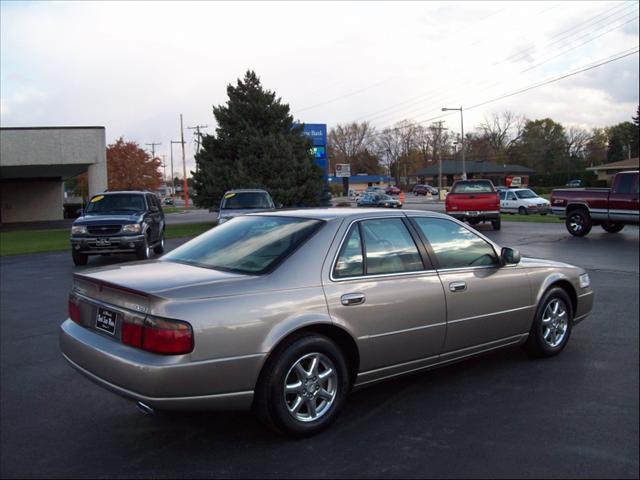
column 310, row 387
column 554, row 322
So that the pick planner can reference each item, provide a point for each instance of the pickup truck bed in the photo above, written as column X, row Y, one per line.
column 612, row 208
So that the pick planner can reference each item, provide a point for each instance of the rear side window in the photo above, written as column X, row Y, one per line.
column 473, row 187
column 350, row 261
column 625, row 185
column 454, row 245
column 389, row 247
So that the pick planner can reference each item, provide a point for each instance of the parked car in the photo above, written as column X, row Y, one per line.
column 287, row 311
column 612, row 208
column 474, row 201
column 240, row 202
column 424, row 189
column 119, row 222
column 378, row 200
column 168, row 201
column 576, row 183
column 375, row 189
column 392, row 190
column 523, row 201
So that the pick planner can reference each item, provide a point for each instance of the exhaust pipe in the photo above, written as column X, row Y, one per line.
column 144, row 408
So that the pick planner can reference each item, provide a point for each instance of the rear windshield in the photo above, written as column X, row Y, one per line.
column 247, row 244
column 247, row 200
column 116, row 203
column 473, row 187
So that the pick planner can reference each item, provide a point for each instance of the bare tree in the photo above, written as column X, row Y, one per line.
column 350, row 142
column 396, row 146
column 577, row 139
column 502, row 130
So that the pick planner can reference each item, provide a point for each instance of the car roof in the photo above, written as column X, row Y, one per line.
column 115, row 192
column 347, row 212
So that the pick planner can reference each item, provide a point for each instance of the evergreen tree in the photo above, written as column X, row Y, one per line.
column 256, row 145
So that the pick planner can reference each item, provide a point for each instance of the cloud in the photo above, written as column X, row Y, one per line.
column 135, row 66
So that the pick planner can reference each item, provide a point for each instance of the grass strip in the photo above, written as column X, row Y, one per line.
column 19, row 242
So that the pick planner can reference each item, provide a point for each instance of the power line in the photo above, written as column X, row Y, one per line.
column 153, row 148
column 592, row 21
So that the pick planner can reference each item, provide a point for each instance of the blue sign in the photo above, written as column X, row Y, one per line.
column 317, row 132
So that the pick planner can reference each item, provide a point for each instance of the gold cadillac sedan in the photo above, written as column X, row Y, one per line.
column 286, row 312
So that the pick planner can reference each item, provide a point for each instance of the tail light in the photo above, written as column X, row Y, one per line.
column 169, row 337
column 74, row 310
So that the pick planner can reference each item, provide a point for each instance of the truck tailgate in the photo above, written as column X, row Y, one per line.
column 480, row 202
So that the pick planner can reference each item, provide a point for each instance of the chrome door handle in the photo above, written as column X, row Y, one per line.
column 352, row 299
column 457, row 286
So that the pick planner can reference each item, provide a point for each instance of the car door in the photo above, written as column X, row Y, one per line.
column 380, row 289
column 623, row 200
column 511, row 202
column 154, row 216
column 486, row 302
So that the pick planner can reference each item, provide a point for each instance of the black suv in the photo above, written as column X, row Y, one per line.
column 119, row 222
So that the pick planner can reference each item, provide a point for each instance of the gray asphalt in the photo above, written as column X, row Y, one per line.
column 501, row 415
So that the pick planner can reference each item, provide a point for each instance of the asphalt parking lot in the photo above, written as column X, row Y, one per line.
column 500, row 415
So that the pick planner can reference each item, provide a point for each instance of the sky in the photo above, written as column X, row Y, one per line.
column 134, row 67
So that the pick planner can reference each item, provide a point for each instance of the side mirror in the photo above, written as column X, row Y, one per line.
column 278, row 205
column 154, row 209
column 509, row 256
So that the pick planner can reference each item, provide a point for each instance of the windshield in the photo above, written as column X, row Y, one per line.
column 473, row 187
column 247, row 244
column 246, row 200
column 526, row 194
column 116, row 203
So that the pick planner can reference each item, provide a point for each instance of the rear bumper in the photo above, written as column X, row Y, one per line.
column 117, row 244
column 475, row 216
column 161, row 381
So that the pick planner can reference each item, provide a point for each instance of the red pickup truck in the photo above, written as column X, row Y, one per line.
column 612, row 208
column 474, row 201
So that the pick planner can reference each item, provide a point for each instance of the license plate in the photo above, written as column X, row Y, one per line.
column 103, row 242
column 106, row 321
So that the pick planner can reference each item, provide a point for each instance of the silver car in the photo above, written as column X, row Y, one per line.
column 288, row 311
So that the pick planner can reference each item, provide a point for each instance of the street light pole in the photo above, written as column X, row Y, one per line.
column 464, row 165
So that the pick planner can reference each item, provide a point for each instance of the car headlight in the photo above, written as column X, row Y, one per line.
column 78, row 230
column 585, row 281
column 132, row 228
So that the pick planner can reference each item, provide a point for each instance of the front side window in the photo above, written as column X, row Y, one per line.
column 511, row 196
column 389, row 247
column 454, row 245
column 247, row 244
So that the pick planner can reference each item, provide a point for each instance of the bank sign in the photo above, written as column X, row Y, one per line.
column 317, row 133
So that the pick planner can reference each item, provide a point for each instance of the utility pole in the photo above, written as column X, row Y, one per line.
column 464, row 165
column 440, row 128
column 164, row 167
column 153, row 148
column 173, row 187
column 198, row 136
column 184, row 168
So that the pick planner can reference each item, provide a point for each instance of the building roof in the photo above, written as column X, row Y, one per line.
column 361, row 179
column 452, row 167
column 630, row 163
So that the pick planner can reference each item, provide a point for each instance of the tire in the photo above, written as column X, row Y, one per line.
column 496, row 224
column 143, row 252
column 79, row 258
column 578, row 222
column 523, row 211
column 550, row 331
column 159, row 248
column 612, row 227
column 274, row 407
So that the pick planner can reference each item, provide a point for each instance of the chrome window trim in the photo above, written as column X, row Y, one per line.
column 377, row 275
